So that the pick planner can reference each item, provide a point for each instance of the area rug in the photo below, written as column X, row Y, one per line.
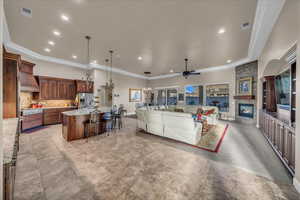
column 212, row 140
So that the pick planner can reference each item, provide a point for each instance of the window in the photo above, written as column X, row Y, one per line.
column 161, row 97
column 194, row 95
column 218, row 95
column 172, row 96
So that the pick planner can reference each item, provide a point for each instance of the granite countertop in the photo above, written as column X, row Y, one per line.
column 10, row 127
column 84, row 111
column 44, row 108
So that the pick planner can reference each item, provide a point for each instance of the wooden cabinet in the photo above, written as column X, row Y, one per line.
column 271, row 105
column 83, row 87
column 54, row 115
column 11, row 63
column 26, row 67
column 55, row 88
column 31, row 121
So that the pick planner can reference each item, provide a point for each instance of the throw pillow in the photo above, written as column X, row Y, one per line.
column 209, row 112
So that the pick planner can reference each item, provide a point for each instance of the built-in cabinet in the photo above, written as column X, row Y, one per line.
column 271, row 105
column 11, row 63
column 83, row 87
column 31, row 121
column 264, row 96
column 55, row 88
column 293, row 94
column 281, row 137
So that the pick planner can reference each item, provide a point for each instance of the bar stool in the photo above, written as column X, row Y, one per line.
column 117, row 118
column 92, row 125
column 107, row 117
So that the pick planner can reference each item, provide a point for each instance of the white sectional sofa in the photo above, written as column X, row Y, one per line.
column 174, row 125
column 211, row 119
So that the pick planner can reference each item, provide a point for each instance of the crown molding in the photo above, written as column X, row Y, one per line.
column 266, row 16
column 22, row 50
column 208, row 69
column 267, row 13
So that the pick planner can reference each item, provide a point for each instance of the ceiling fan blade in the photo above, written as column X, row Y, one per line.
column 195, row 73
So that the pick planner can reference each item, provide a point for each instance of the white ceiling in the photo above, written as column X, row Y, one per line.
column 163, row 32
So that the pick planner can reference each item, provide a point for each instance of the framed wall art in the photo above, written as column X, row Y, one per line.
column 245, row 86
column 135, row 95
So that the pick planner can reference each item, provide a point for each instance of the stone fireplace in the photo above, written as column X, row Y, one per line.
column 246, row 106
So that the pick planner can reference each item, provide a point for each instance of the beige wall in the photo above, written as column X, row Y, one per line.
column 284, row 35
column 206, row 78
column 122, row 85
column 43, row 68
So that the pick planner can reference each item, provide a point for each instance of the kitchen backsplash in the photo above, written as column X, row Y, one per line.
column 26, row 100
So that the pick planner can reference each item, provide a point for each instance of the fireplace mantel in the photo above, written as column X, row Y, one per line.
column 246, row 97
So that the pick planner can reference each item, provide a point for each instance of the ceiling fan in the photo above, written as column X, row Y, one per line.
column 187, row 72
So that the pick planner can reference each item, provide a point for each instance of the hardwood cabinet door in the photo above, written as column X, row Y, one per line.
column 10, row 88
column 53, row 89
column 63, row 89
column 82, row 87
column 72, row 90
column 91, row 87
column 44, row 89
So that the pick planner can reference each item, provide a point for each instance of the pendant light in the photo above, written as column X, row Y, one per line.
column 88, row 72
column 111, row 84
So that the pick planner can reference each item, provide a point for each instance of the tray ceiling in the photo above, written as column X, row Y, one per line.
column 162, row 32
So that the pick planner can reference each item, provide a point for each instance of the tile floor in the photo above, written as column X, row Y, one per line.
column 130, row 165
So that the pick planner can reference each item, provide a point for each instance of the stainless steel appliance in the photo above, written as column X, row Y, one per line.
column 85, row 100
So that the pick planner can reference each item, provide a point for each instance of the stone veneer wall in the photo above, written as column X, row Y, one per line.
column 242, row 71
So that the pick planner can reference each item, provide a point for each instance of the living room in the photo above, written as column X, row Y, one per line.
column 130, row 100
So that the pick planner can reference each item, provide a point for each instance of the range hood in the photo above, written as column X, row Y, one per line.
column 27, row 80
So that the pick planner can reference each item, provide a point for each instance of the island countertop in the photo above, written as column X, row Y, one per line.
column 84, row 111
column 10, row 131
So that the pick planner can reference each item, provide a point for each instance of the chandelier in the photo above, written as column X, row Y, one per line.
column 110, row 84
column 89, row 70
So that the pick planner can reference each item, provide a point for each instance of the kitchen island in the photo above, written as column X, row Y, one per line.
column 75, row 124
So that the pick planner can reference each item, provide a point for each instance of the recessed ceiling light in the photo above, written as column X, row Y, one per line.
column 94, row 62
column 171, row 71
column 229, row 61
column 65, row 18
column 26, row 12
column 74, row 56
column 57, row 33
column 51, row 43
column 221, row 31
column 47, row 49
column 245, row 25
column 140, row 58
